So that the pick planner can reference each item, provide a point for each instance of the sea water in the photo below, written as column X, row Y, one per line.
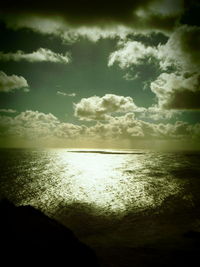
column 99, row 193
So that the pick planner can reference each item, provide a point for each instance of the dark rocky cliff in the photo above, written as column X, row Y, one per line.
column 28, row 237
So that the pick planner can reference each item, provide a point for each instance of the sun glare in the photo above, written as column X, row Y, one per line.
column 107, row 182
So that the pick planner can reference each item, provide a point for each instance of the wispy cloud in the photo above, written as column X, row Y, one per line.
column 41, row 55
column 9, row 110
column 66, row 94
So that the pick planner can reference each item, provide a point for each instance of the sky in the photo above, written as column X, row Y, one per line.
column 100, row 74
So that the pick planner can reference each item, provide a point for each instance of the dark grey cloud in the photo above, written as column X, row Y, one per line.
column 182, row 49
column 180, row 52
column 140, row 14
column 79, row 11
column 177, row 91
column 191, row 13
column 179, row 86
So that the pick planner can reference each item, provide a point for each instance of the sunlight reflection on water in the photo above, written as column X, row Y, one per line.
column 113, row 183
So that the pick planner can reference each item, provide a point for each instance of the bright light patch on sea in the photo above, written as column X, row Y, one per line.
column 112, row 182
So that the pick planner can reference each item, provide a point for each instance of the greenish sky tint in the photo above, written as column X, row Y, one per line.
column 99, row 78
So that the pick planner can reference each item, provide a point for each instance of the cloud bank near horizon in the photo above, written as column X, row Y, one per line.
column 35, row 128
column 134, row 66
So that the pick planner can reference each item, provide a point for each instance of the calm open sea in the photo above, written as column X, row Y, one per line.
column 109, row 198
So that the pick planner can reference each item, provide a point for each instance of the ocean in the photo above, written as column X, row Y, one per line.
column 116, row 201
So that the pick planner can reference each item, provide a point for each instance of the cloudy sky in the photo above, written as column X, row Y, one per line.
column 117, row 74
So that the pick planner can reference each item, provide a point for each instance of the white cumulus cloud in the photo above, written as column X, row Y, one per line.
column 100, row 108
column 131, row 53
column 12, row 82
column 37, row 128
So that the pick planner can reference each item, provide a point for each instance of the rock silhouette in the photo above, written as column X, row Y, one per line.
column 28, row 237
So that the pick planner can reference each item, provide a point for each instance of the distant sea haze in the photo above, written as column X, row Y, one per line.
column 143, row 196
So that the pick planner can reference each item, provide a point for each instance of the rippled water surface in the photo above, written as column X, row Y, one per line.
column 115, row 201
column 112, row 181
